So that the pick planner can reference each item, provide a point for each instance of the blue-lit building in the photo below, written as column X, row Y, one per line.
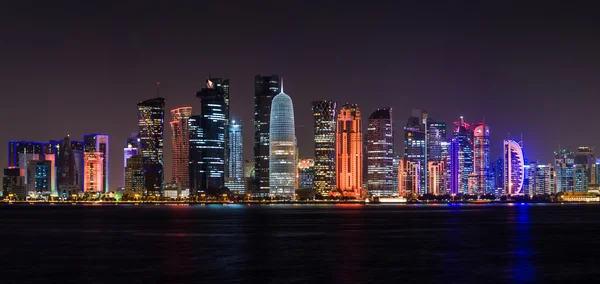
column 282, row 159
column 39, row 176
column 461, row 159
column 235, row 180
column 564, row 162
column 207, row 141
column 414, row 145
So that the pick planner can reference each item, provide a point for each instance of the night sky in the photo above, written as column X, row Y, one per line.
column 76, row 67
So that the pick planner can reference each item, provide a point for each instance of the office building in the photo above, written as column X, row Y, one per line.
column 235, row 180
column 134, row 176
column 223, row 85
column 151, row 114
column 380, row 153
column 349, row 148
column 265, row 89
column 13, row 184
column 437, row 175
column 282, row 138
column 306, row 173
column 207, row 142
column 415, row 145
column 481, row 160
column 408, row 177
column 564, row 162
column 131, row 149
column 461, row 158
column 39, row 176
column 514, row 168
column 324, row 115
column 67, row 168
column 180, row 139
column 541, row 179
column 436, row 137
column 93, row 172
column 93, row 143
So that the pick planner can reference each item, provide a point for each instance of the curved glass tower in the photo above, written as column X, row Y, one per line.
column 514, row 167
column 282, row 147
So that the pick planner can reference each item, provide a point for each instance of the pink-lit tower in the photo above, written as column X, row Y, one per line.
column 181, row 145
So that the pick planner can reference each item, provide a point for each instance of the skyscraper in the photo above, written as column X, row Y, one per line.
column 180, row 138
column 20, row 153
column 541, row 179
column 131, row 149
column 414, row 145
column 437, row 175
column 349, row 168
column 306, row 173
column 564, row 162
column 380, row 153
column 282, row 139
column 39, row 176
column 93, row 172
column 408, row 177
column 461, row 159
column 265, row 88
column 324, row 114
column 207, row 141
column 584, row 156
column 235, row 180
column 67, row 170
column 134, row 176
column 151, row 115
column 223, row 84
column 514, row 168
column 436, row 137
column 93, row 143
column 481, row 160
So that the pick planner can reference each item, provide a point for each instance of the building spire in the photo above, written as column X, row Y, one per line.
column 281, row 91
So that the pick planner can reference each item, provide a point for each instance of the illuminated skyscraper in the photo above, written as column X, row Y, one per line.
column 306, row 173
column 349, row 164
column 282, row 139
column 151, row 115
column 380, row 153
column 98, row 143
column 265, row 88
column 483, row 183
column 414, row 145
column 564, row 162
column 235, row 180
column 541, row 179
column 20, row 153
column 514, row 168
column 584, row 157
column 67, row 169
column 461, row 159
column 437, row 175
column 436, row 137
column 408, row 177
column 180, row 138
column 223, row 84
column 93, row 172
column 131, row 149
column 207, row 141
column 39, row 176
column 134, row 176
column 324, row 114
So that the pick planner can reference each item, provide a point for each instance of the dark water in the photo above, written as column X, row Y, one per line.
column 299, row 244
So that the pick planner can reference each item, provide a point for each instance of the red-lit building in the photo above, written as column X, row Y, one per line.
column 349, row 168
column 181, row 145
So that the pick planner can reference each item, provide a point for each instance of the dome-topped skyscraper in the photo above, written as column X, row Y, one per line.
column 282, row 159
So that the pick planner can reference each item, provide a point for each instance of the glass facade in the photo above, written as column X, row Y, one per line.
column 151, row 115
column 180, row 138
column 564, row 162
column 324, row 114
column 514, row 168
column 481, row 160
column 282, row 140
column 380, row 154
column 461, row 159
column 265, row 89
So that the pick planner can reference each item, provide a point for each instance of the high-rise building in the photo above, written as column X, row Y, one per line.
column 408, row 177
column 499, row 177
column 151, row 114
column 68, row 172
column 584, row 156
column 481, row 160
column 282, row 138
column 235, row 180
column 564, row 162
column 21, row 153
column 349, row 164
column 324, row 114
column 180, row 139
column 13, row 184
column 131, row 149
column 514, row 168
column 415, row 145
column 93, row 172
column 99, row 143
column 207, row 141
column 265, row 89
column 437, row 175
column 436, row 137
column 380, row 153
column 223, row 85
column 134, row 176
column 306, row 173
column 540, row 179
column 461, row 158
column 39, row 176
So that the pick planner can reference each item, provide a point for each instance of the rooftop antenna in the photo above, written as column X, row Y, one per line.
column 281, row 91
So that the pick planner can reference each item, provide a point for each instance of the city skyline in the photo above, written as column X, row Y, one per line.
column 457, row 70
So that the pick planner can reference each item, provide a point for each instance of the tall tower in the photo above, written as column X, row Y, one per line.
column 235, row 180
column 180, row 138
column 282, row 139
column 481, row 159
column 223, row 84
column 67, row 171
column 324, row 114
column 349, row 151
column 131, row 149
column 98, row 143
column 380, row 153
column 564, row 162
column 415, row 145
column 265, row 88
column 93, row 172
column 514, row 167
column 207, row 141
column 461, row 158
column 151, row 115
